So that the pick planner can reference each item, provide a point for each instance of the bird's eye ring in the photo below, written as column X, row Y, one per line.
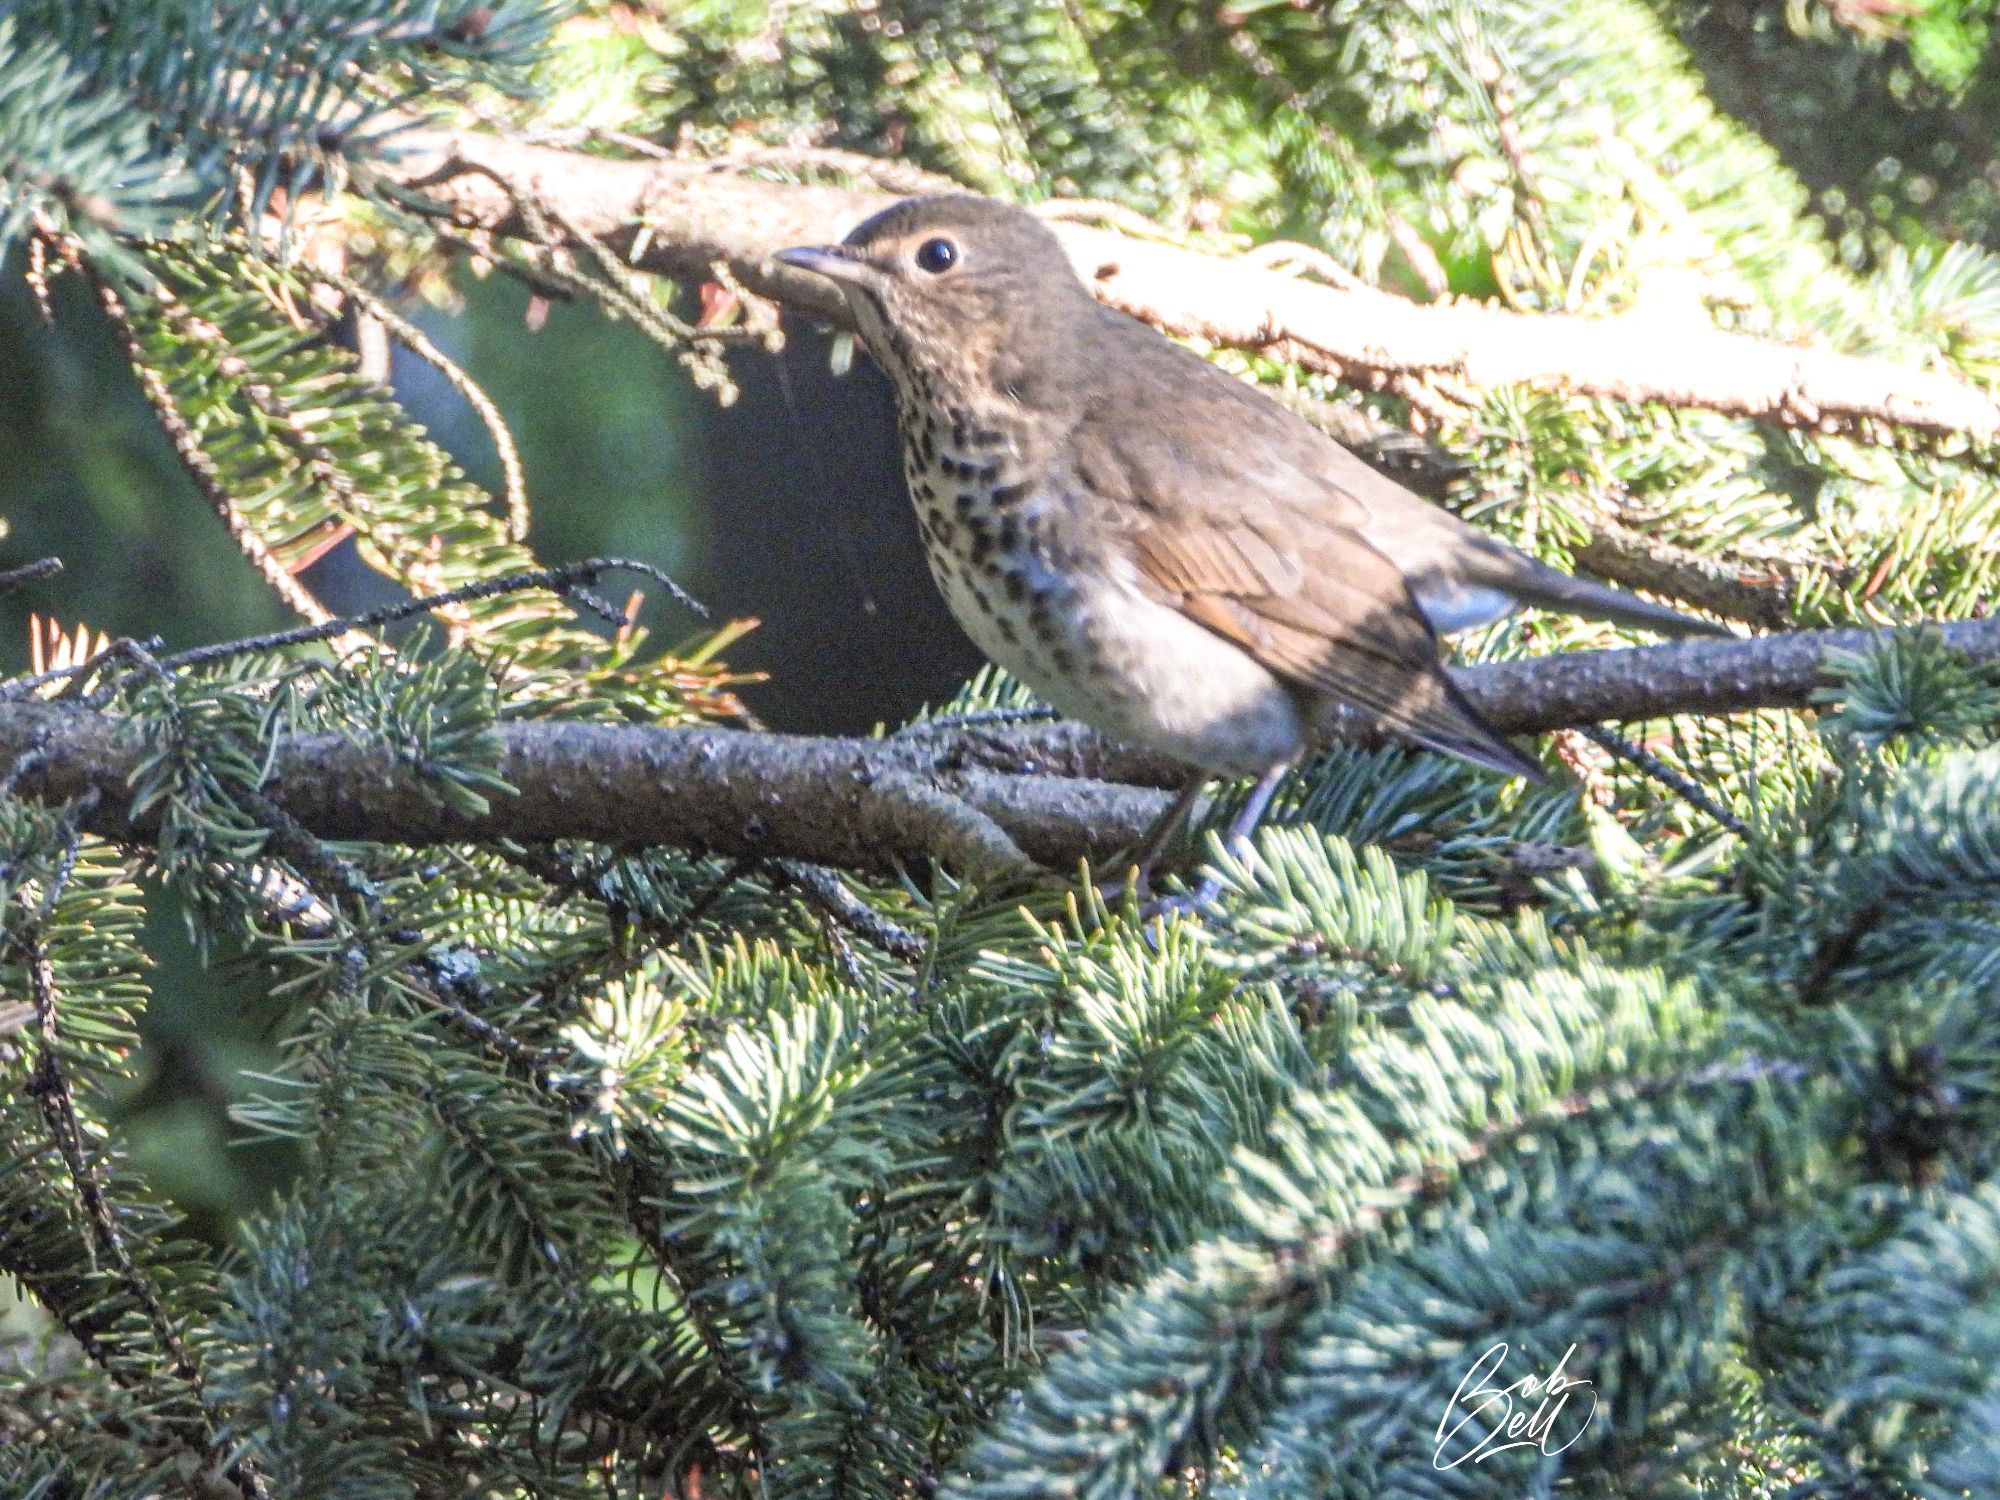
column 936, row 256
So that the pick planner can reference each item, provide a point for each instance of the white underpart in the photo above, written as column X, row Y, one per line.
column 1147, row 675
column 1454, row 607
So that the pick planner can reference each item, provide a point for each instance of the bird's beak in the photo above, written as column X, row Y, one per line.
column 835, row 262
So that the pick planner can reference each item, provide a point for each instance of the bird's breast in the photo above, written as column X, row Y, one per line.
column 1046, row 594
column 993, row 538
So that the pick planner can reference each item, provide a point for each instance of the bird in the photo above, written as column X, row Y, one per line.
column 1154, row 546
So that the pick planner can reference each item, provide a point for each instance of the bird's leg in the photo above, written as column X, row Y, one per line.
column 1154, row 844
column 1251, row 813
column 1240, row 828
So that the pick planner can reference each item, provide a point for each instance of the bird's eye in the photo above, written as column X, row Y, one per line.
column 937, row 256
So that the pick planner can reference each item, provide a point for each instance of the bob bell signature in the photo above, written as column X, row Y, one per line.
column 1484, row 1418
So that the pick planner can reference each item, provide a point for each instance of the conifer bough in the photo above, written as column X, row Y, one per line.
column 1045, row 796
column 682, row 219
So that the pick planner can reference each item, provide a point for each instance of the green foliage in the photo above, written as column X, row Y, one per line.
column 643, row 1172
column 272, row 92
column 78, row 159
column 1865, row 103
column 1907, row 1332
column 1890, row 693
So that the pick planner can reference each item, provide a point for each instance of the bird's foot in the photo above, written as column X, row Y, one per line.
column 1191, row 905
column 1136, row 895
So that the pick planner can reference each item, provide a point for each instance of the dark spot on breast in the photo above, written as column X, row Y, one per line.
column 1017, row 587
column 967, row 503
column 987, row 437
column 1010, row 534
column 1007, row 629
column 1009, row 494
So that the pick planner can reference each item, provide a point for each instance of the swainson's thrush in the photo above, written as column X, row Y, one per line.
column 1152, row 545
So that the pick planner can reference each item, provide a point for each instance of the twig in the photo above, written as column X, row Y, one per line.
column 125, row 649
column 839, row 905
column 15, row 579
column 565, row 580
column 561, row 579
column 200, row 467
column 1680, row 784
column 615, row 285
column 1756, row 590
column 879, row 804
column 514, row 480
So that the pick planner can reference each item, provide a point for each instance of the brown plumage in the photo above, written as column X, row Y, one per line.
column 1155, row 546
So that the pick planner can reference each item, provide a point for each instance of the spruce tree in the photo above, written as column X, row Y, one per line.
column 849, row 1141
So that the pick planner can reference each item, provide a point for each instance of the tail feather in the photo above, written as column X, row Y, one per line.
column 1549, row 588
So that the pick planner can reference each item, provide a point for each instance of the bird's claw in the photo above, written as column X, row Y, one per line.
column 1135, row 897
column 1188, row 904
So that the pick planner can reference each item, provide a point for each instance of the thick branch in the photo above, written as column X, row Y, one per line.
column 1047, row 796
column 680, row 218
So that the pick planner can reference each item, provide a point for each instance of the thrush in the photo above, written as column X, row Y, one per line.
column 1152, row 545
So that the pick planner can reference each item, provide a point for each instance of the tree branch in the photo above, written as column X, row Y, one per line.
column 679, row 218
column 991, row 808
column 1756, row 590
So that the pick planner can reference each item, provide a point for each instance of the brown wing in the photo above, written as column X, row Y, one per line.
column 1345, row 632
column 1224, row 526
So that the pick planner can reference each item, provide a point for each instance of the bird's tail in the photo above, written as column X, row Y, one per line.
column 1544, row 587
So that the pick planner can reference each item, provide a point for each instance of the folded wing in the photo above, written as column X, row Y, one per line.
column 1224, row 529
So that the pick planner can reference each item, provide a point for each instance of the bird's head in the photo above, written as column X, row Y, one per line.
column 954, row 288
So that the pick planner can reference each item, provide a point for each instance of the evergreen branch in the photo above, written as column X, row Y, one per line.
column 50, row 1089
column 448, row 992
column 873, row 804
column 307, row 448
column 514, row 479
column 194, row 458
column 256, row 97
column 1756, row 590
column 677, row 219
column 72, row 156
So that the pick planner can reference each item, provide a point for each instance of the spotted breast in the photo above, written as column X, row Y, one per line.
column 1062, row 610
